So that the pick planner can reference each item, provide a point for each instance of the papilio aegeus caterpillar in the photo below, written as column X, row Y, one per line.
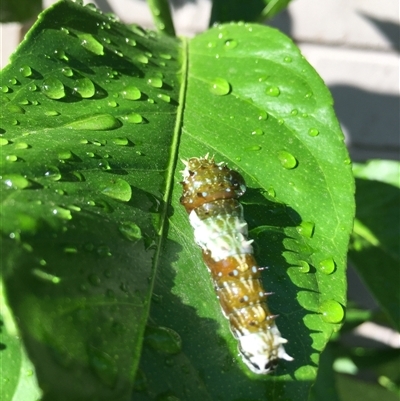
column 210, row 192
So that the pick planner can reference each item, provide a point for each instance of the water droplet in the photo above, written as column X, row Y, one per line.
column 332, row 311
column 164, row 97
column 306, row 229
column 257, row 131
column 104, row 165
column 62, row 213
column 14, row 108
column 84, row 87
column 53, row 88
column 313, row 132
column 271, row 192
column 99, row 122
column 287, row 159
column 70, row 249
column 294, row 112
column 94, row 279
column 130, row 231
column 133, row 118
column 25, row 71
column 3, row 141
column 120, row 141
column 131, row 93
column 230, row 44
column 53, row 173
column 263, row 115
column 60, row 54
column 112, row 103
column 103, row 365
column 347, row 160
column 65, row 155
column 327, row 266
column 118, row 189
column 308, row 95
column 287, row 59
column 304, row 267
column 11, row 158
column 131, row 42
column 51, row 113
column 163, row 339
column 21, row 145
column 141, row 58
column 15, row 181
column 12, row 81
column 155, row 82
column 220, row 86
column 91, row 44
column 273, row 91
column 46, row 276
column 254, row 148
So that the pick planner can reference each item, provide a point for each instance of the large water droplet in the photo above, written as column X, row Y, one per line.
column 163, row 339
column 273, row 91
column 68, row 72
column 62, row 213
column 11, row 158
column 21, row 145
column 53, row 173
column 219, row 86
column 84, row 87
column 287, row 159
column 327, row 266
column 258, row 132
column 141, row 58
column 134, row 118
column 53, row 88
column 130, row 231
column 331, row 311
column 231, row 44
column 3, row 141
column 131, row 93
column 91, row 44
column 306, row 229
column 51, row 113
column 313, row 132
column 120, row 141
column 15, row 181
column 118, row 189
column 254, row 148
column 155, row 82
column 26, row 71
column 65, row 155
column 164, row 97
column 99, row 122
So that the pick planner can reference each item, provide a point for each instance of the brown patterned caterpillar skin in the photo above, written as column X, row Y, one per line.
column 210, row 192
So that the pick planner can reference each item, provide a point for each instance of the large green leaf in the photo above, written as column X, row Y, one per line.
column 92, row 135
column 375, row 242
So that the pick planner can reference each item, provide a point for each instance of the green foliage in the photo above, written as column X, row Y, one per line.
column 95, row 118
column 374, row 248
column 21, row 10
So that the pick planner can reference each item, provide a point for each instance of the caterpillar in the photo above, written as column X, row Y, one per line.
column 210, row 197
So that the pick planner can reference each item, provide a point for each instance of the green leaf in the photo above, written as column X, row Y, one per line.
column 161, row 12
column 91, row 221
column 300, row 217
column 374, row 248
column 89, row 108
